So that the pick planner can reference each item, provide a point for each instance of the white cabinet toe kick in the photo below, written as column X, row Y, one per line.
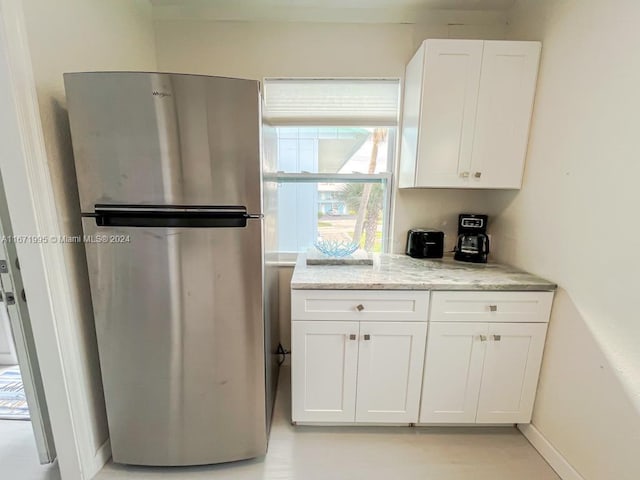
column 389, row 357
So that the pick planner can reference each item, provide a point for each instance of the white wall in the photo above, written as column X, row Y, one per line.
column 304, row 49
column 573, row 223
column 81, row 35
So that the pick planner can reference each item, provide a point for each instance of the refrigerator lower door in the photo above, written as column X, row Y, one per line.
column 179, row 321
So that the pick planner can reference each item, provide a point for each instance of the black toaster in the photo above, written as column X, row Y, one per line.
column 425, row 243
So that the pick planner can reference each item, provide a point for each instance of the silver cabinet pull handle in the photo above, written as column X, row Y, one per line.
column 352, row 336
column 477, row 174
column 497, row 338
column 367, row 337
column 483, row 338
column 464, row 174
column 360, row 307
column 493, row 308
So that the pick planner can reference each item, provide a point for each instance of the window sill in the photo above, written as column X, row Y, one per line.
column 277, row 259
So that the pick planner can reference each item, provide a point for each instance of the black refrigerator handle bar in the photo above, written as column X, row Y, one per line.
column 176, row 216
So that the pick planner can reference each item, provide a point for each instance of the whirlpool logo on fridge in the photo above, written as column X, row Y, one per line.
column 157, row 93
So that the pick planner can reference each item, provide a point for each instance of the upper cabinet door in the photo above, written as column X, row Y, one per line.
column 505, row 103
column 411, row 111
column 390, row 371
column 449, row 99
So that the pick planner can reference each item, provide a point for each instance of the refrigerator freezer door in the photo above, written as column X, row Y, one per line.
column 179, row 320
column 165, row 139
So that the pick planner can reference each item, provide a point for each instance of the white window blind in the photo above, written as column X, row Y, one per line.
column 331, row 102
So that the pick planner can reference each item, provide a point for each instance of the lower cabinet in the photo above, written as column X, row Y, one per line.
column 510, row 373
column 345, row 372
column 359, row 356
column 324, row 371
column 453, row 372
column 390, row 360
column 481, row 372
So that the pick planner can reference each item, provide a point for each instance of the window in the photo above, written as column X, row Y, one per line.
column 333, row 147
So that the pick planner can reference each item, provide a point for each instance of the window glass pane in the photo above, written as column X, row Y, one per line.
column 342, row 212
column 333, row 149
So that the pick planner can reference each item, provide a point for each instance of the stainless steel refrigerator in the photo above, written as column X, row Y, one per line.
column 169, row 179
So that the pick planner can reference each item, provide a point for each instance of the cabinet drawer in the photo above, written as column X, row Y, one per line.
column 531, row 307
column 376, row 305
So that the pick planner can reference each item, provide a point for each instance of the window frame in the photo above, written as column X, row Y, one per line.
column 386, row 178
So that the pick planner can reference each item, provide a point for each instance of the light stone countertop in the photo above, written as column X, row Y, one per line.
column 400, row 272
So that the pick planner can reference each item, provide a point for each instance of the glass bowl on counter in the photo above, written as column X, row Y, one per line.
column 334, row 248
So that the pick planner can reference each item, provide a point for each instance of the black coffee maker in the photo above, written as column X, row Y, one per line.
column 473, row 242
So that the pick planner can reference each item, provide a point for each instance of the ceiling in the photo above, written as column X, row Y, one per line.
column 347, row 4
column 345, row 11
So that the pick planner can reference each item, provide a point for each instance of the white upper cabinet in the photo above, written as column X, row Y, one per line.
column 467, row 109
column 505, row 102
column 441, row 93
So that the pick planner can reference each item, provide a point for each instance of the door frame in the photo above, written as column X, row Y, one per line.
column 9, row 357
column 33, row 211
column 19, row 324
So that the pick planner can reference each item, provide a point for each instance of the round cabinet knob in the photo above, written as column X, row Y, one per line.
column 477, row 174
column 360, row 307
column 367, row 337
column 493, row 308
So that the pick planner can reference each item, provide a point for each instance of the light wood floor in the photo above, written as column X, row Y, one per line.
column 368, row 453
column 18, row 454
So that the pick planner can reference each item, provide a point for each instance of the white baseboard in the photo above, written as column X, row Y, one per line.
column 103, row 454
column 553, row 457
